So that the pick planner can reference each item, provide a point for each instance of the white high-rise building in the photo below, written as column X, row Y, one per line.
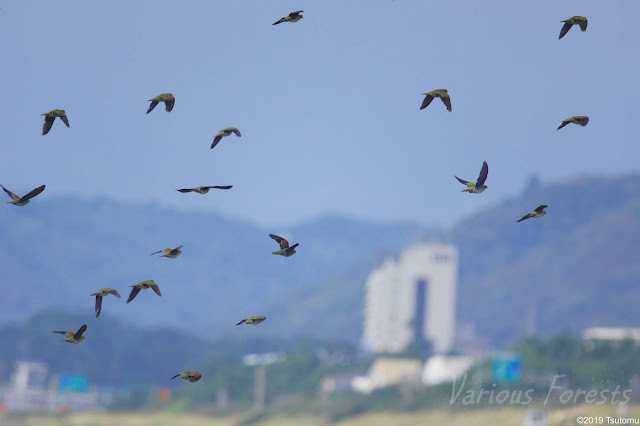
column 412, row 296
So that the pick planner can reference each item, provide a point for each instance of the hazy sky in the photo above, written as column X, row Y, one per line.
column 328, row 107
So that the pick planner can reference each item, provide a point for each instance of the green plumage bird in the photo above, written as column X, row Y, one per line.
column 143, row 286
column 50, row 117
column 581, row 120
column 292, row 17
column 192, row 376
column 223, row 133
column 72, row 337
column 285, row 250
column 203, row 189
column 568, row 23
column 102, row 293
column 479, row 186
column 168, row 100
column 170, row 253
column 252, row 320
column 537, row 213
column 24, row 200
column 443, row 94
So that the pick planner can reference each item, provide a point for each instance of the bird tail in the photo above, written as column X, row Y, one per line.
column 174, row 377
column 241, row 322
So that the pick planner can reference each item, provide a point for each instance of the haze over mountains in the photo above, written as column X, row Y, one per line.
column 571, row 266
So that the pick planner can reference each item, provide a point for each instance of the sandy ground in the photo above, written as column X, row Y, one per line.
column 505, row 416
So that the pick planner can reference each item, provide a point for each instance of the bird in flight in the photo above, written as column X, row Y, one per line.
column 168, row 100
column 537, row 213
column 203, row 189
column 479, row 186
column 50, row 117
column 192, row 376
column 24, row 200
column 285, row 250
column 443, row 94
column 169, row 252
column 292, row 17
column 102, row 293
column 568, row 23
column 222, row 133
column 72, row 337
column 582, row 120
column 142, row 286
column 252, row 320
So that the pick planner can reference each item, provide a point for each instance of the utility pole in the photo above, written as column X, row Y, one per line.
column 260, row 362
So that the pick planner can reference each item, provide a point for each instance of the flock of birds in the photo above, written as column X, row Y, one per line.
column 285, row 250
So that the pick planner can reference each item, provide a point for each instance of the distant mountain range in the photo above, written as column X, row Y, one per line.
column 577, row 267
column 56, row 252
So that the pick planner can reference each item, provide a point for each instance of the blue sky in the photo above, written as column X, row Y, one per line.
column 328, row 107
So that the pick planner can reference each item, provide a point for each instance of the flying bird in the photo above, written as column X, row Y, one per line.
column 102, row 293
column 203, row 189
column 169, row 252
column 285, row 250
column 222, row 133
column 142, row 286
column 192, row 376
column 50, row 117
column 440, row 93
column 568, row 23
column 72, row 337
column 292, row 17
column 168, row 100
column 582, row 120
column 537, row 213
column 24, row 200
column 252, row 320
column 479, row 186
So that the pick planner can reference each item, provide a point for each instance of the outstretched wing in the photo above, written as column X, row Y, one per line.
column 234, row 130
column 115, row 293
column 33, row 193
column 242, row 322
column 583, row 25
column 217, row 139
column 155, row 288
column 10, row 194
column 540, row 209
column 80, row 331
column 177, row 375
column 168, row 104
column 134, row 292
column 220, row 187
column 426, row 102
column 565, row 29
column 65, row 120
column 446, row 100
column 283, row 243
column 98, row 305
column 483, row 175
column 48, row 122
column 462, row 181
column 152, row 106
column 583, row 121
column 296, row 13
column 525, row 217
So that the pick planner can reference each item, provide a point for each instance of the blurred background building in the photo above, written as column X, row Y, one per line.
column 413, row 297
